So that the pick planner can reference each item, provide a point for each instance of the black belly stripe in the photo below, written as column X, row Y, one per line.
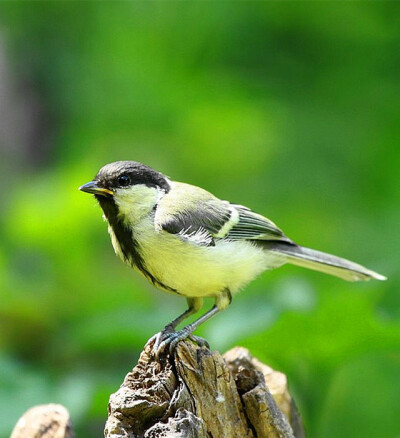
column 127, row 242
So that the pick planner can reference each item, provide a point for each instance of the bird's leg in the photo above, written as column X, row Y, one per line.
column 194, row 304
column 174, row 338
column 222, row 301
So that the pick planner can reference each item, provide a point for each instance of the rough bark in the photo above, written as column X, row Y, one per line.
column 196, row 394
column 200, row 394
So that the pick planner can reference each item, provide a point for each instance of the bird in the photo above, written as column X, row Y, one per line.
column 190, row 243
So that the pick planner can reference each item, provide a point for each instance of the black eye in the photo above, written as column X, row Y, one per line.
column 124, row 180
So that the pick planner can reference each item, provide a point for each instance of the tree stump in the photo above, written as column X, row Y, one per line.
column 200, row 394
column 195, row 394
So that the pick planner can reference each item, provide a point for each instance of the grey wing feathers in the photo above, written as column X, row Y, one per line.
column 251, row 225
column 197, row 215
column 192, row 213
column 207, row 215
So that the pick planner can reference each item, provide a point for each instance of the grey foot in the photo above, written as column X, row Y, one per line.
column 171, row 340
column 159, row 337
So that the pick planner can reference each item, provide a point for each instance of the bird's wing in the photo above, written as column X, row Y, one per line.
column 254, row 226
column 192, row 213
column 196, row 215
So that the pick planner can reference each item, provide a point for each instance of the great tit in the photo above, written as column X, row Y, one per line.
column 188, row 242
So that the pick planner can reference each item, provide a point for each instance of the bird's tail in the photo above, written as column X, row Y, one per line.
column 320, row 261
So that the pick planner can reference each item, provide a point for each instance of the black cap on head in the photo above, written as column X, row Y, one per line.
column 129, row 173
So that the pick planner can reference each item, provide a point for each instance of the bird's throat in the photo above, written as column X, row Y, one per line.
column 125, row 245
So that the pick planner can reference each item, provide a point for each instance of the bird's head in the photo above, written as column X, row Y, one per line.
column 127, row 189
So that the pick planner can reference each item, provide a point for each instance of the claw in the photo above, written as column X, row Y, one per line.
column 152, row 340
column 199, row 341
column 158, row 339
column 169, row 340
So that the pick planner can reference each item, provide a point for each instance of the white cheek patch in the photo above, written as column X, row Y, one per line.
column 135, row 202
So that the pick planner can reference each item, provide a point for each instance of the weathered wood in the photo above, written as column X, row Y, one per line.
column 200, row 394
column 196, row 394
column 44, row 421
column 261, row 389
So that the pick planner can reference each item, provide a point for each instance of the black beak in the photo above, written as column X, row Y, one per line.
column 95, row 188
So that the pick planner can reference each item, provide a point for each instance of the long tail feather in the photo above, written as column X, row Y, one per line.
column 320, row 261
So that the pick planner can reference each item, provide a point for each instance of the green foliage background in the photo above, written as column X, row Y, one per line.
column 289, row 108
